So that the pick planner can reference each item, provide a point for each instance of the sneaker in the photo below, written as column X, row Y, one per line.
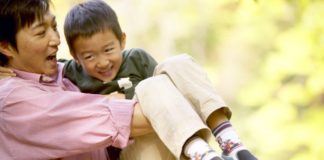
column 240, row 155
column 210, row 155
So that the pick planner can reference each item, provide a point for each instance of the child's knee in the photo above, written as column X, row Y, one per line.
column 174, row 63
column 153, row 83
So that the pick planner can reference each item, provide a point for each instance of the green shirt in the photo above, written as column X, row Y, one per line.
column 137, row 65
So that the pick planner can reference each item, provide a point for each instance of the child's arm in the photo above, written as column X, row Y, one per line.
column 6, row 72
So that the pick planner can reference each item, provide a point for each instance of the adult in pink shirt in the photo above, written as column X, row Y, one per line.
column 42, row 115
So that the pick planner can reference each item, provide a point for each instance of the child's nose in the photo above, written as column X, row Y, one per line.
column 103, row 63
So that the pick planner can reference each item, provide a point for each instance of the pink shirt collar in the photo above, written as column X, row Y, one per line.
column 41, row 78
column 56, row 80
column 35, row 77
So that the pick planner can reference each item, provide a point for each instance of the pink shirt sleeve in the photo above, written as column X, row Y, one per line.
column 40, row 123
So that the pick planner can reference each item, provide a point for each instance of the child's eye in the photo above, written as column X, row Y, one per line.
column 108, row 50
column 88, row 57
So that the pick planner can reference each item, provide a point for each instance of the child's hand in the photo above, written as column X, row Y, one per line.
column 6, row 72
column 116, row 95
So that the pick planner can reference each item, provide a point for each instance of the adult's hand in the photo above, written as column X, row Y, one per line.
column 140, row 125
column 6, row 72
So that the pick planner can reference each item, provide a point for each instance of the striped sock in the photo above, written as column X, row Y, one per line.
column 230, row 143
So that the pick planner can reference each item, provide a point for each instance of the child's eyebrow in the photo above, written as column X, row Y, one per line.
column 109, row 44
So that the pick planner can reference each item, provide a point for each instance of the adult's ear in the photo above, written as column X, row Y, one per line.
column 7, row 49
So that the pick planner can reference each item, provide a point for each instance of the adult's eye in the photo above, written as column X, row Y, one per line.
column 41, row 33
column 55, row 27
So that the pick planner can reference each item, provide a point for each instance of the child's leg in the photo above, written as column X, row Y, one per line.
column 170, row 114
column 193, row 83
column 191, row 80
column 147, row 147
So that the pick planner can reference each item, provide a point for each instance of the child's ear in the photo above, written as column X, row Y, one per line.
column 123, row 41
column 75, row 58
column 6, row 49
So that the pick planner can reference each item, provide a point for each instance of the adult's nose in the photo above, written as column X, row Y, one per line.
column 54, row 38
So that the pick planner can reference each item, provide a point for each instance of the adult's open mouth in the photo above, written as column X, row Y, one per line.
column 51, row 57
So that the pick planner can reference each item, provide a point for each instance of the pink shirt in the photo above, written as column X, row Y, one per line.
column 47, row 117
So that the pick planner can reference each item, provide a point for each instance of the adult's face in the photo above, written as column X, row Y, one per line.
column 37, row 46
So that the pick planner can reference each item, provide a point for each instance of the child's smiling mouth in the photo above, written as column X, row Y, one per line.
column 107, row 73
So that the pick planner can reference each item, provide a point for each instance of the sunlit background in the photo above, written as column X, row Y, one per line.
column 265, row 57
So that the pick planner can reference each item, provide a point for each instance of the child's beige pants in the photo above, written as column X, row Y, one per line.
column 177, row 100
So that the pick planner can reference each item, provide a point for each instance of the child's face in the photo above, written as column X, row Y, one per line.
column 100, row 55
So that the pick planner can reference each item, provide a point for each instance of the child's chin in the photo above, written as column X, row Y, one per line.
column 105, row 79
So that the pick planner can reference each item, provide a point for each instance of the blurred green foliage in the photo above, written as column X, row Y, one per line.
column 287, row 96
column 266, row 58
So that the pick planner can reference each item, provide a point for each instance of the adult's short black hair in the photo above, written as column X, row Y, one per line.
column 15, row 15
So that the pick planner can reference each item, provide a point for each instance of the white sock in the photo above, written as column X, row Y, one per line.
column 197, row 148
